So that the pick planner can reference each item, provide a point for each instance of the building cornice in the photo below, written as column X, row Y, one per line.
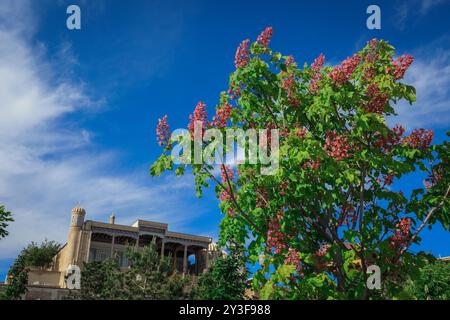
column 142, row 227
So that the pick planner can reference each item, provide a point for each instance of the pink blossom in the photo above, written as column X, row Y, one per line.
column 293, row 257
column 372, row 52
column 337, row 146
column 301, row 132
column 392, row 139
column 419, row 139
column 347, row 215
column 225, row 171
column 342, row 73
column 198, row 116
column 222, row 115
column 288, row 85
column 290, row 61
column 434, row 178
column 378, row 99
column 401, row 65
column 388, row 179
column 276, row 240
column 311, row 164
column 162, row 132
column 401, row 234
column 242, row 56
column 316, row 74
column 264, row 37
column 317, row 65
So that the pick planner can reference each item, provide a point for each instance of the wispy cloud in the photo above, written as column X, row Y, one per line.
column 426, row 5
column 48, row 163
column 430, row 75
column 412, row 9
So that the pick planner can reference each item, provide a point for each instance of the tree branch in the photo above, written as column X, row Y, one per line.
column 424, row 223
column 233, row 199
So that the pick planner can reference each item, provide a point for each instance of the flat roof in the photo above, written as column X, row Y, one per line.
column 145, row 223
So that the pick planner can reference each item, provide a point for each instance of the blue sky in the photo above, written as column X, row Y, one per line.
column 78, row 109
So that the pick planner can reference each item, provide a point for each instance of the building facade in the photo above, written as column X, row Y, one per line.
column 97, row 241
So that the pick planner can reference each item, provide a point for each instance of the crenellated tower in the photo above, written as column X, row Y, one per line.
column 73, row 242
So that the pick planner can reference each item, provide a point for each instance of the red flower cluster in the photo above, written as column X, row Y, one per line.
column 372, row 53
column 369, row 74
column 301, row 132
column 284, row 132
column 264, row 37
column 401, row 234
column 242, row 56
column 316, row 75
column 226, row 174
column 388, row 179
column 265, row 140
column 275, row 238
column 290, row 61
column 283, row 188
column 322, row 251
column 199, row 115
column 222, row 116
column 341, row 74
column 261, row 198
column 347, row 215
column 434, row 178
column 311, row 164
column 393, row 138
column 401, row 65
column 317, row 65
column 225, row 171
column 224, row 196
column 293, row 257
column 377, row 99
column 288, row 85
column 162, row 132
column 234, row 92
column 337, row 146
column 419, row 139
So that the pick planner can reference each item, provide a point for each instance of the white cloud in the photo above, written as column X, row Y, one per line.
column 46, row 169
column 430, row 75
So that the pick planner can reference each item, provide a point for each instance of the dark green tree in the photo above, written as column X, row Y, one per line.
column 149, row 277
column 33, row 255
column 225, row 280
column 5, row 217
column 336, row 171
column 17, row 280
column 100, row 280
column 42, row 255
column 433, row 282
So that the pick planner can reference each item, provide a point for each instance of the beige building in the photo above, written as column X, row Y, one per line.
column 96, row 241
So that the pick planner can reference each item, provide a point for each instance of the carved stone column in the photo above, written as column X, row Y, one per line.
column 185, row 260
column 206, row 259
column 196, row 262
column 162, row 248
column 175, row 260
column 112, row 245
